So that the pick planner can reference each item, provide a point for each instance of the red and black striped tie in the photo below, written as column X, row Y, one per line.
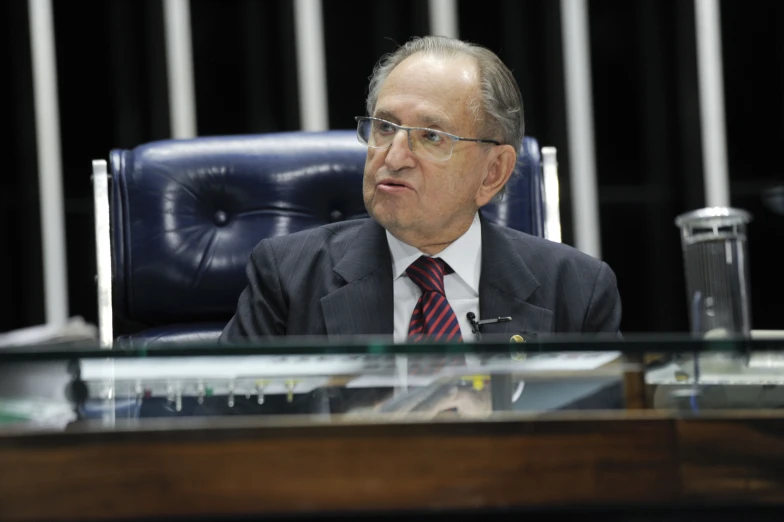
column 433, row 318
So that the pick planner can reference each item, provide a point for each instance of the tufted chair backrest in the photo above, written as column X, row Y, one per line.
column 186, row 214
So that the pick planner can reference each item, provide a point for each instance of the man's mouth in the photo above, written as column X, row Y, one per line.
column 390, row 184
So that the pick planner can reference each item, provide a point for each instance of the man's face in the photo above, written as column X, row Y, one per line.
column 416, row 199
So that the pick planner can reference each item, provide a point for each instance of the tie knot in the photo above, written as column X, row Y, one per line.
column 428, row 273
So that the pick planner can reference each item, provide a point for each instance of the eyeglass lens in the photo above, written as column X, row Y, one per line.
column 427, row 143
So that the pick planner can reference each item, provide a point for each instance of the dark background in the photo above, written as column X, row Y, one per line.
column 112, row 92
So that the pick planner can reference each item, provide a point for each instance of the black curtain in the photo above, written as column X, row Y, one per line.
column 21, row 284
column 245, row 66
column 113, row 93
column 753, row 54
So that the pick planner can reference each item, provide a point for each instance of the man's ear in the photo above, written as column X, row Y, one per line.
column 498, row 173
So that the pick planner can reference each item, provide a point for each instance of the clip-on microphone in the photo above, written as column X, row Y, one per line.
column 476, row 324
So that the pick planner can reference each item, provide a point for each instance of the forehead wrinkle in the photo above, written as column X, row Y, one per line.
column 423, row 120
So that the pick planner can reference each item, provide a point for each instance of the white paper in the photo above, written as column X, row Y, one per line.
column 76, row 329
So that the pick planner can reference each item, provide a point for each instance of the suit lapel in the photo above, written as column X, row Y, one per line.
column 505, row 286
column 364, row 305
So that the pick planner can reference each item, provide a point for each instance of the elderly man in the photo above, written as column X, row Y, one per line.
column 445, row 122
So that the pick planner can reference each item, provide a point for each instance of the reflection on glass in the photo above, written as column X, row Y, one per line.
column 372, row 381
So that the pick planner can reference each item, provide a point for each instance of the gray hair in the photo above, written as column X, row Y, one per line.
column 499, row 113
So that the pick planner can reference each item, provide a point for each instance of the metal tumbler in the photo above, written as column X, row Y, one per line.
column 716, row 266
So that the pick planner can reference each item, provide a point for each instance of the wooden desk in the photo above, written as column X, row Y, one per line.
column 258, row 466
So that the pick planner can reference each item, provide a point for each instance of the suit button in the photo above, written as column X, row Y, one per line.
column 220, row 218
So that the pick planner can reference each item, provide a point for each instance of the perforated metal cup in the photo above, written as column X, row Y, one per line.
column 716, row 266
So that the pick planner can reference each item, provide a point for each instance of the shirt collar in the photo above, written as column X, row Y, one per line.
column 463, row 255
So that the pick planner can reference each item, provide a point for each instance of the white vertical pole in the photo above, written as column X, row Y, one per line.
column 579, row 113
column 443, row 18
column 47, row 133
column 552, row 205
column 711, row 85
column 103, row 252
column 179, row 65
column 311, row 65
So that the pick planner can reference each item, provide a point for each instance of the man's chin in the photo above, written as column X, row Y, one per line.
column 388, row 218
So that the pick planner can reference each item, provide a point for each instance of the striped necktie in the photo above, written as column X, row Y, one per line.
column 433, row 318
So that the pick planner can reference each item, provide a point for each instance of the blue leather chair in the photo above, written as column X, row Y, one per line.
column 185, row 215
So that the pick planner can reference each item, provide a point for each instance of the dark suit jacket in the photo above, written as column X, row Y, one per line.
column 337, row 280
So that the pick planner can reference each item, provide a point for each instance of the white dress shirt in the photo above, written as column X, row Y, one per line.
column 461, row 286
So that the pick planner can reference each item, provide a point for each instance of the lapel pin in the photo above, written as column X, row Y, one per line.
column 517, row 338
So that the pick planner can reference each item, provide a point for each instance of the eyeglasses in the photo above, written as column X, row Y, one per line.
column 426, row 143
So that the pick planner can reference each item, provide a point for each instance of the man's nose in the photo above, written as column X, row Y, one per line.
column 399, row 154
